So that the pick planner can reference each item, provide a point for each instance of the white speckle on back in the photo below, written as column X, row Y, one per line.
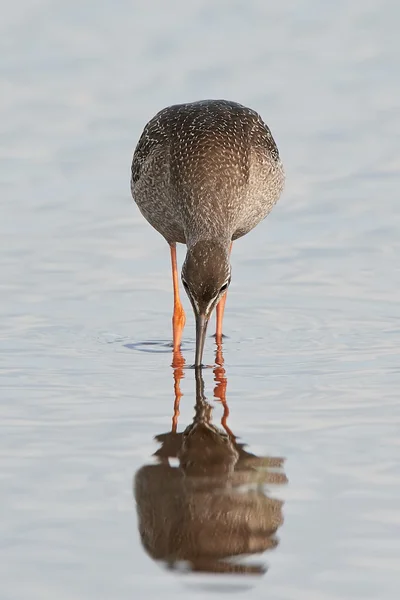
column 206, row 170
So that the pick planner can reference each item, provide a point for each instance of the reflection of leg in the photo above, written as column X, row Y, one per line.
column 177, row 364
column 220, row 314
column 179, row 318
column 220, row 388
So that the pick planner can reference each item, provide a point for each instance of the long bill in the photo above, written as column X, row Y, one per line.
column 201, row 329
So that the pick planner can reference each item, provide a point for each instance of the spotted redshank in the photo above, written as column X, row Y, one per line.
column 204, row 174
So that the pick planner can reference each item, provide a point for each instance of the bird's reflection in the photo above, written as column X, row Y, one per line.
column 214, row 508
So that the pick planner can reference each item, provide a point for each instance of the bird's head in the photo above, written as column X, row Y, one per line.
column 206, row 275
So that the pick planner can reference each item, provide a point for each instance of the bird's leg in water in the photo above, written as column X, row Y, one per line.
column 179, row 318
column 220, row 314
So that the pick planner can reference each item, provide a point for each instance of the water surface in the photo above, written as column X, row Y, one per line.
column 312, row 319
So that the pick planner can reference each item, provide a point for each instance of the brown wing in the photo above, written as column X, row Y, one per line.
column 153, row 137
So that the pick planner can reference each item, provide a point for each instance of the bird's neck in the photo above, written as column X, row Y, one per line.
column 223, row 239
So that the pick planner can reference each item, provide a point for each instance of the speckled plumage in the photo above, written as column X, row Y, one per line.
column 206, row 170
column 204, row 174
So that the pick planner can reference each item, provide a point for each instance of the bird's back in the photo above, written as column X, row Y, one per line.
column 206, row 167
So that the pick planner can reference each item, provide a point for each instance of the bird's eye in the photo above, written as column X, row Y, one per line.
column 224, row 288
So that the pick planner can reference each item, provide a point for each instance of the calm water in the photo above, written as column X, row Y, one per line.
column 312, row 357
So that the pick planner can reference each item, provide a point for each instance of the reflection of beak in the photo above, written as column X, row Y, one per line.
column 201, row 328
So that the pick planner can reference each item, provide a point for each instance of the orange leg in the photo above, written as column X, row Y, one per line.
column 220, row 314
column 220, row 317
column 179, row 318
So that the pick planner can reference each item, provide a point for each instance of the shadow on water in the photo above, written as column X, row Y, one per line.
column 212, row 513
